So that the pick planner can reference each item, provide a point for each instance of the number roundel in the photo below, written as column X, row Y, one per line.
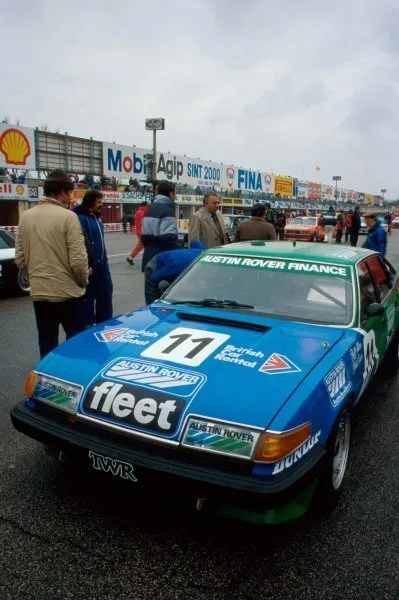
column 186, row 346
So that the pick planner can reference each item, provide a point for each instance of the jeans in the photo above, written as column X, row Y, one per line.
column 328, row 233
column 347, row 233
column 98, row 299
column 49, row 317
column 151, row 290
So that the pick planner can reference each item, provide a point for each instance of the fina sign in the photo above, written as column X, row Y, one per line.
column 155, row 124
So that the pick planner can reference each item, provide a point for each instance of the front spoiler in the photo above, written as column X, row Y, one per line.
column 227, row 480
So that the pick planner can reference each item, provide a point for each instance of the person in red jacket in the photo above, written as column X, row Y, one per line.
column 138, row 219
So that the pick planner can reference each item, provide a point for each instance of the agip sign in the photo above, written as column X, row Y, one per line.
column 124, row 162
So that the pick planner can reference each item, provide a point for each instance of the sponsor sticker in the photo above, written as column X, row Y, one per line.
column 154, row 376
column 337, row 383
column 238, row 355
column 186, row 346
column 269, row 264
column 133, row 407
column 297, row 455
column 64, row 394
column 278, row 364
column 221, row 438
column 118, row 468
column 356, row 353
column 125, row 335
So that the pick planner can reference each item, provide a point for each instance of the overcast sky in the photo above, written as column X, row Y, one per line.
column 283, row 86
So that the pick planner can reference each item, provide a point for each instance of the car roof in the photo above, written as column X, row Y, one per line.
column 317, row 252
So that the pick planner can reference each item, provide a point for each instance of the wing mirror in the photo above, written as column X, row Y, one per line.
column 163, row 286
column 375, row 310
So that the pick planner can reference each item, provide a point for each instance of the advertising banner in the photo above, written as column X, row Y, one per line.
column 124, row 162
column 247, row 180
column 17, row 147
column 327, row 193
column 284, row 186
column 14, row 191
column 314, row 190
column 303, row 189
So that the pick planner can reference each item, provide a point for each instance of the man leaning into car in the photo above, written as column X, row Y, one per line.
column 50, row 249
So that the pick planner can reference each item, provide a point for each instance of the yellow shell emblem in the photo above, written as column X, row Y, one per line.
column 15, row 146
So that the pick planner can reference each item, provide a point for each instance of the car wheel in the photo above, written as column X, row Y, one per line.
column 23, row 284
column 331, row 482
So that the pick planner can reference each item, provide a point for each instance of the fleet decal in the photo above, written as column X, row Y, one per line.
column 118, row 468
column 125, row 335
column 337, row 383
column 276, row 265
column 220, row 437
column 298, row 454
column 277, row 364
column 186, row 346
column 130, row 406
column 239, row 356
column 153, row 375
column 371, row 358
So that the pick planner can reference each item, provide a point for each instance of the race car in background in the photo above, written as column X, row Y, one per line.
column 395, row 223
column 11, row 278
column 237, row 386
column 304, row 229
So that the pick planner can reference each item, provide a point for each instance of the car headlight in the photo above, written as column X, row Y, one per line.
column 220, row 438
column 63, row 394
column 274, row 446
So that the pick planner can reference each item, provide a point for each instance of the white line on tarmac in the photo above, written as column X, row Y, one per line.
column 115, row 255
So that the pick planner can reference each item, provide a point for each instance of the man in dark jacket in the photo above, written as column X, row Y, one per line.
column 159, row 227
column 167, row 266
column 376, row 236
column 255, row 228
column 355, row 228
column 98, row 301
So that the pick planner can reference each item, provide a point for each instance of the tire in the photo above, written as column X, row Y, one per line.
column 23, row 284
column 314, row 238
column 331, row 482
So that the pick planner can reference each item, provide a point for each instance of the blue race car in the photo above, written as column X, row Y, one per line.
column 238, row 385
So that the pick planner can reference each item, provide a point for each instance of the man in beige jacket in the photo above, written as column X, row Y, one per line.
column 50, row 249
column 207, row 225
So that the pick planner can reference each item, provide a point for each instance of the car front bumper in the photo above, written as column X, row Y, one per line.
column 227, row 480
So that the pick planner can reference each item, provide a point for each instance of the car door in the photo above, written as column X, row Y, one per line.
column 385, row 281
column 374, row 328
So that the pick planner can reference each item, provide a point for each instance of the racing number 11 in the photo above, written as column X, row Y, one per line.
column 186, row 346
column 203, row 343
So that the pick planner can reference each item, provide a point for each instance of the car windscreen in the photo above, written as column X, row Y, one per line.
column 303, row 221
column 281, row 288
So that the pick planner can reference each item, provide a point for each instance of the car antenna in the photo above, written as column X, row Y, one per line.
column 294, row 243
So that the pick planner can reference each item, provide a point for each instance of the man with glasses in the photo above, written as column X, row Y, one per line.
column 50, row 249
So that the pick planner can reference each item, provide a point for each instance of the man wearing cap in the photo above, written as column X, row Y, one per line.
column 50, row 249
column 376, row 236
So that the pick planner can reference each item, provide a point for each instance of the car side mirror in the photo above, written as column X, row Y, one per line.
column 163, row 286
column 375, row 310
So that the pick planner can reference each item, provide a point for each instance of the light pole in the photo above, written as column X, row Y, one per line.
column 154, row 125
column 336, row 178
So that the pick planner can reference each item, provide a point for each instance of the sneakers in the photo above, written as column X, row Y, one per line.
column 130, row 260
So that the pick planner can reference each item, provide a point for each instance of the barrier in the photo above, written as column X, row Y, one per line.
column 108, row 227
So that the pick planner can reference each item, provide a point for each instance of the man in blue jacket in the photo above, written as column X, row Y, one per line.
column 98, row 299
column 376, row 236
column 167, row 266
column 159, row 227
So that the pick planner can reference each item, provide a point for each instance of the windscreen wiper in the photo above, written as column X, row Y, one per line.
column 214, row 302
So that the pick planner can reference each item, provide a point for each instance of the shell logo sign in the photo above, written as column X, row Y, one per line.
column 17, row 147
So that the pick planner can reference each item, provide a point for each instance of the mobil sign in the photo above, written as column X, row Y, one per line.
column 124, row 162
column 247, row 180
